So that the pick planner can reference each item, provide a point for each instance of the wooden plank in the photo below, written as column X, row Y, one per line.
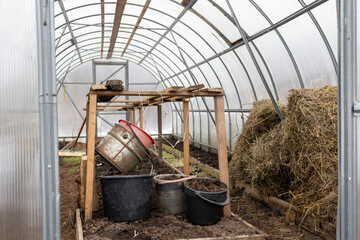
column 133, row 117
column 166, row 162
column 79, row 229
column 117, row 106
column 98, row 87
column 221, row 144
column 70, row 154
column 159, row 94
column 210, row 90
column 90, row 152
column 124, row 101
column 146, row 5
column 186, row 142
column 242, row 237
column 82, row 189
column 120, row 6
column 141, row 118
column 160, row 140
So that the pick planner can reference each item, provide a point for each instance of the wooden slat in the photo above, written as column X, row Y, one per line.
column 133, row 117
column 158, row 94
column 186, row 142
column 82, row 189
column 90, row 172
column 222, row 147
column 79, row 229
column 79, row 133
column 141, row 118
column 146, row 5
column 210, row 90
column 98, row 87
column 160, row 139
column 70, row 154
column 120, row 6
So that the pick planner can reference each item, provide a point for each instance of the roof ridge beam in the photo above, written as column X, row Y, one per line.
column 120, row 6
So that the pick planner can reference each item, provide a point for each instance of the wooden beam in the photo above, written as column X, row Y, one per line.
column 82, row 189
column 160, row 140
column 102, row 4
column 159, row 94
column 117, row 106
column 90, row 152
column 186, row 142
column 133, row 117
column 70, row 154
column 120, row 6
column 146, row 5
column 79, row 229
column 124, row 101
column 98, row 87
column 79, row 133
column 222, row 147
column 141, row 118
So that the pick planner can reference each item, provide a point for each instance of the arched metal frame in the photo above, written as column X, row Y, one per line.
column 156, row 65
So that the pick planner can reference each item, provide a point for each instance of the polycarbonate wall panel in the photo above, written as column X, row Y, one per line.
column 20, row 183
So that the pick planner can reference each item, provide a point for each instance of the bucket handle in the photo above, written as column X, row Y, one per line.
column 222, row 204
column 178, row 180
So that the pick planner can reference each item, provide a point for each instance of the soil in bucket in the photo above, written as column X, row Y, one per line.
column 205, row 207
column 204, row 185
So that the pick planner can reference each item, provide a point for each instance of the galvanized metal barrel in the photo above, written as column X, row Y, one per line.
column 121, row 149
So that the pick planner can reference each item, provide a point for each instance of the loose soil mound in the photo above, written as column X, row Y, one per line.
column 297, row 158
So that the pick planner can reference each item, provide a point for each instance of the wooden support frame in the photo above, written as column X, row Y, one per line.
column 154, row 98
column 186, row 142
column 90, row 150
column 221, row 143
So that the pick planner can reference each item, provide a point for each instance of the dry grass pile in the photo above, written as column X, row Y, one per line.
column 297, row 156
column 261, row 120
column 311, row 136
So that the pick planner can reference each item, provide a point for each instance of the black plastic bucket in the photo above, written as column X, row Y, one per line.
column 127, row 198
column 205, row 208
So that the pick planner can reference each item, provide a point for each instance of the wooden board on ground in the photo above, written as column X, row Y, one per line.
column 79, row 229
column 71, row 154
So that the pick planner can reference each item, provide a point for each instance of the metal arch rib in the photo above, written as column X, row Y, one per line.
column 242, row 33
column 191, row 3
column 61, row 4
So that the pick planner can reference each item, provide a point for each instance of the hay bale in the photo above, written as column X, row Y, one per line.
column 311, row 136
column 262, row 119
column 269, row 164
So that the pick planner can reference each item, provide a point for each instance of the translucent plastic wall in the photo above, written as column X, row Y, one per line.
column 289, row 44
column 20, row 184
column 72, row 99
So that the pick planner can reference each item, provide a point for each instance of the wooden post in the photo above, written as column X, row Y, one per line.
column 186, row 137
column 141, row 118
column 133, row 117
column 90, row 152
column 160, row 140
column 82, row 189
column 221, row 144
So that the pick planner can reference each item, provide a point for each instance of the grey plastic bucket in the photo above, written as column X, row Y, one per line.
column 123, row 150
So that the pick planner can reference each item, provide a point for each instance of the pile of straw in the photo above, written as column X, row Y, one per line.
column 261, row 120
column 296, row 158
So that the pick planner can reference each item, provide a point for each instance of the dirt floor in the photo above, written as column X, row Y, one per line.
column 255, row 213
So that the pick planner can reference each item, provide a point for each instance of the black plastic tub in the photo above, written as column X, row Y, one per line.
column 127, row 198
column 205, row 208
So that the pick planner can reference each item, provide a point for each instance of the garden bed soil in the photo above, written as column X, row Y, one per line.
column 205, row 157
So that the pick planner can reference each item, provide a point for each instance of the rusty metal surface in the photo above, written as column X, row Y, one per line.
column 170, row 197
column 121, row 149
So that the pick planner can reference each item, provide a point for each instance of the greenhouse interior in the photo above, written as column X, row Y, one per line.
column 179, row 119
